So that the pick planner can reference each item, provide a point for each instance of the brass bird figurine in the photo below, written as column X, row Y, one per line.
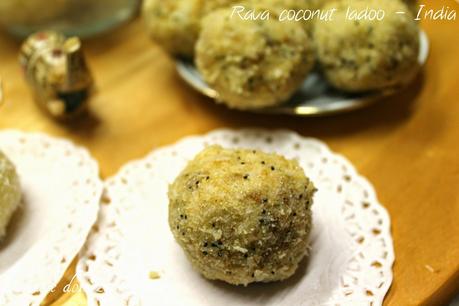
column 56, row 69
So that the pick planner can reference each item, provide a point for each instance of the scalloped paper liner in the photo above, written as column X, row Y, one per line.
column 131, row 257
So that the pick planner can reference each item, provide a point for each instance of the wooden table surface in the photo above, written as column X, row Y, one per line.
column 407, row 145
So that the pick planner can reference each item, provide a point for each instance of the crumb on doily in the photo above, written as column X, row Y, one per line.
column 430, row 269
column 154, row 275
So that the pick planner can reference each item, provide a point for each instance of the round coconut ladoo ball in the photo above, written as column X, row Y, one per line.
column 368, row 55
column 10, row 193
column 252, row 63
column 242, row 216
column 174, row 24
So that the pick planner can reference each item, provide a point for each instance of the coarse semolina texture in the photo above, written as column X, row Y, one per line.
column 10, row 193
column 253, row 63
column 242, row 216
column 367, row 55
column 173, row 24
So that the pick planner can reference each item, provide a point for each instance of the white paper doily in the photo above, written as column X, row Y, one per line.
column 350, row 262
column 61, row 194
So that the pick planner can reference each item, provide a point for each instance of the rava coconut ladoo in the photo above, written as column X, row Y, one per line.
column 242, row 216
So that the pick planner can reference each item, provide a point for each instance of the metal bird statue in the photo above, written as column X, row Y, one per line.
column 56, row 70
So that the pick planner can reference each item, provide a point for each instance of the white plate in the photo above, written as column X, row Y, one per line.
column 315, row 97
column 351, row 257
column 61, row 192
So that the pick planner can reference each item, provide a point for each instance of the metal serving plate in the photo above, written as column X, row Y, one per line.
column 315, row 97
